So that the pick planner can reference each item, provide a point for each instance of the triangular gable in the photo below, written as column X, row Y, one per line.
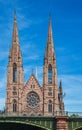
column 32, row 81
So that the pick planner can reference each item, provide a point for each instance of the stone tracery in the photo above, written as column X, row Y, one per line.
column 32, row 99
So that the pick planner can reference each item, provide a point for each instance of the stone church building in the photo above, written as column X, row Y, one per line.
column 31, row 99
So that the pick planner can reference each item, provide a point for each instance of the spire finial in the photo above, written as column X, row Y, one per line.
column 14, row 14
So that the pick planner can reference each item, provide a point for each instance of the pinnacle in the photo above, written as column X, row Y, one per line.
column 60, row 83
column 60, row 87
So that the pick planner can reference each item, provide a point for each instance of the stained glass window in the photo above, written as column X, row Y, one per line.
column 14, row 72
column 32, row 99
column 14, row 105
column 50, row 106
column 50, row 74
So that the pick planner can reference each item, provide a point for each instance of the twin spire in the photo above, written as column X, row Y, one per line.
column 15, row 39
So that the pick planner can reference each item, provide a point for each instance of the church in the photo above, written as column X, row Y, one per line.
column 30, row 99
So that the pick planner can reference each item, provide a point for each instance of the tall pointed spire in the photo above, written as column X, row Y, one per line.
column 50, row 44
column 50, row 38
column 15, row 39
column 50, row 82
column 15, row 76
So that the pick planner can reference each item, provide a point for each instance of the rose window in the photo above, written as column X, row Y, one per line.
column 32, row 99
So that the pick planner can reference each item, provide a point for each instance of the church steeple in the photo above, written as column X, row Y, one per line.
column 15, row 77
column 50, row 76
column 50, row 44
column 15, row 39
column 15, row 53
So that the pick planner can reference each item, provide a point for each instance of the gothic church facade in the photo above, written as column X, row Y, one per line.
column 31, row 99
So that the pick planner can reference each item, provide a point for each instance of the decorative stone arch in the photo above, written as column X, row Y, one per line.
column 33, row 99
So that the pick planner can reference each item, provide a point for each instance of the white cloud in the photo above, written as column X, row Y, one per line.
column 27, row 69
column 72, row 86
column 22, row 21
column 34, row 57
column 27, row 47
column 74, row 102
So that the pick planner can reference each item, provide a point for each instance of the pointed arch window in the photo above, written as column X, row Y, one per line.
column 50, row 74
column 14, row 105
column 50, row 106
column 14, row 72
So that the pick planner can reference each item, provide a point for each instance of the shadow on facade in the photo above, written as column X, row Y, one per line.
column 79, row 128
column 16, row 126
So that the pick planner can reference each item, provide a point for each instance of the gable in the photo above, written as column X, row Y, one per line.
column 32, row 85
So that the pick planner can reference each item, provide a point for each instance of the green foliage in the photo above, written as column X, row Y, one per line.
column 74, row 115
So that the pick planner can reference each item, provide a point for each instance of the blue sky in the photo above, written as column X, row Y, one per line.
column 32, row 19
